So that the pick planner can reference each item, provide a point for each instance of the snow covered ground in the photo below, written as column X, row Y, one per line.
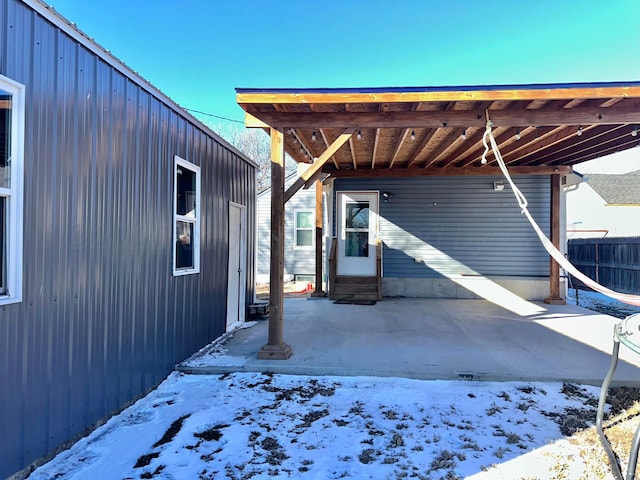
column 258, row 426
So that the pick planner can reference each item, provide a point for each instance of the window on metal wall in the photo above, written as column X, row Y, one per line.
column 11, row 185
column 304, row 229
column 186, row 252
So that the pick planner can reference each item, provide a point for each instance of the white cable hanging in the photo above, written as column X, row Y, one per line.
column 553, row 251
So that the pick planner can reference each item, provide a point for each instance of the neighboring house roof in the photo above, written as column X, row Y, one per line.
column 618, row 189
column 288, row 180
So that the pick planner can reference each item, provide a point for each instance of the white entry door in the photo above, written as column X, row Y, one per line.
column 358, row 230
column 236, row 290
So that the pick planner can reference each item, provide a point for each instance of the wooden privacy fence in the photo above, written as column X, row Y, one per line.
column 612, row 262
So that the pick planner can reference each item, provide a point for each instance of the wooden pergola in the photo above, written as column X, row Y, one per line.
column 398, row 132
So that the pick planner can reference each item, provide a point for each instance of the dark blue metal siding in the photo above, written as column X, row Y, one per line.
column 102, row 318
column 458, row 225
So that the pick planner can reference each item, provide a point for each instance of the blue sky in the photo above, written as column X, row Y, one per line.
column 198, row 51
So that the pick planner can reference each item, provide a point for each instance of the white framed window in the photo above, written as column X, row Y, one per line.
column 186, row 217
column 12, row 106
column 304, row 228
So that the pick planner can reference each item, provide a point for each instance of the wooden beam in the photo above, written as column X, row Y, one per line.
column 276, row 349
column 541, row 92
column 318, row 164
column 554, row 297
column 319, row 176
column 327, row 143
column 454, row 118
column 318, row 292
column 251, row 121
column 353, row 152
column 446, row 172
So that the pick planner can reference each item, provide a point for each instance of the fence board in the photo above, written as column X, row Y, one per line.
column 612, row 262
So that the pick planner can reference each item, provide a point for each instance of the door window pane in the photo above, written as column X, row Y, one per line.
column 357, row 215
column 356, row 244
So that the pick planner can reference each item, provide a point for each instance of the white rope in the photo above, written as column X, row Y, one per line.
column 553, row 251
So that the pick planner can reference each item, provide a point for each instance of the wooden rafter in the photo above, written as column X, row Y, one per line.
column 446, row 144
column 401, row 139
column 420, row 147
column 594, row 138
column 544, row 139
column 375, row 149
column 398, row 146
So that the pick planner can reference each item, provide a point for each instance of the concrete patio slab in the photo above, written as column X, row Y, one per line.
column 431, row 339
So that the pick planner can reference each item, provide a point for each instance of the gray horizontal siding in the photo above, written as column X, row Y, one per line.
column 297, row 261
column 435, row 226
column 102, row 319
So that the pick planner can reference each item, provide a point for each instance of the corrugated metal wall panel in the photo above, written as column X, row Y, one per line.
column 102, row 319
column 458, row 225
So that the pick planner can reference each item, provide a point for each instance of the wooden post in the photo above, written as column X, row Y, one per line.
column 318, row 292
column 554, row 269
column 276, row 349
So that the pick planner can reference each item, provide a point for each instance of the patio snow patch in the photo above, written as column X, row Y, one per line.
column 215, row 353
column 259, row 426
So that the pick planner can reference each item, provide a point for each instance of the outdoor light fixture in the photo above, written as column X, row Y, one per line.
column 579, row 132
column 634, row 132
column 386, row 196
column 313, row 137
column 518, row 135
column 464, row 135
column 413, row 135
column 359, row 135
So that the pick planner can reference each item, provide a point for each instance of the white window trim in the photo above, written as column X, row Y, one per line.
column 295, row 230
column 196, row 221
column 15, row 209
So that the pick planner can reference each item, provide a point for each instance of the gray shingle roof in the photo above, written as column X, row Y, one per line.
column 621, row 189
